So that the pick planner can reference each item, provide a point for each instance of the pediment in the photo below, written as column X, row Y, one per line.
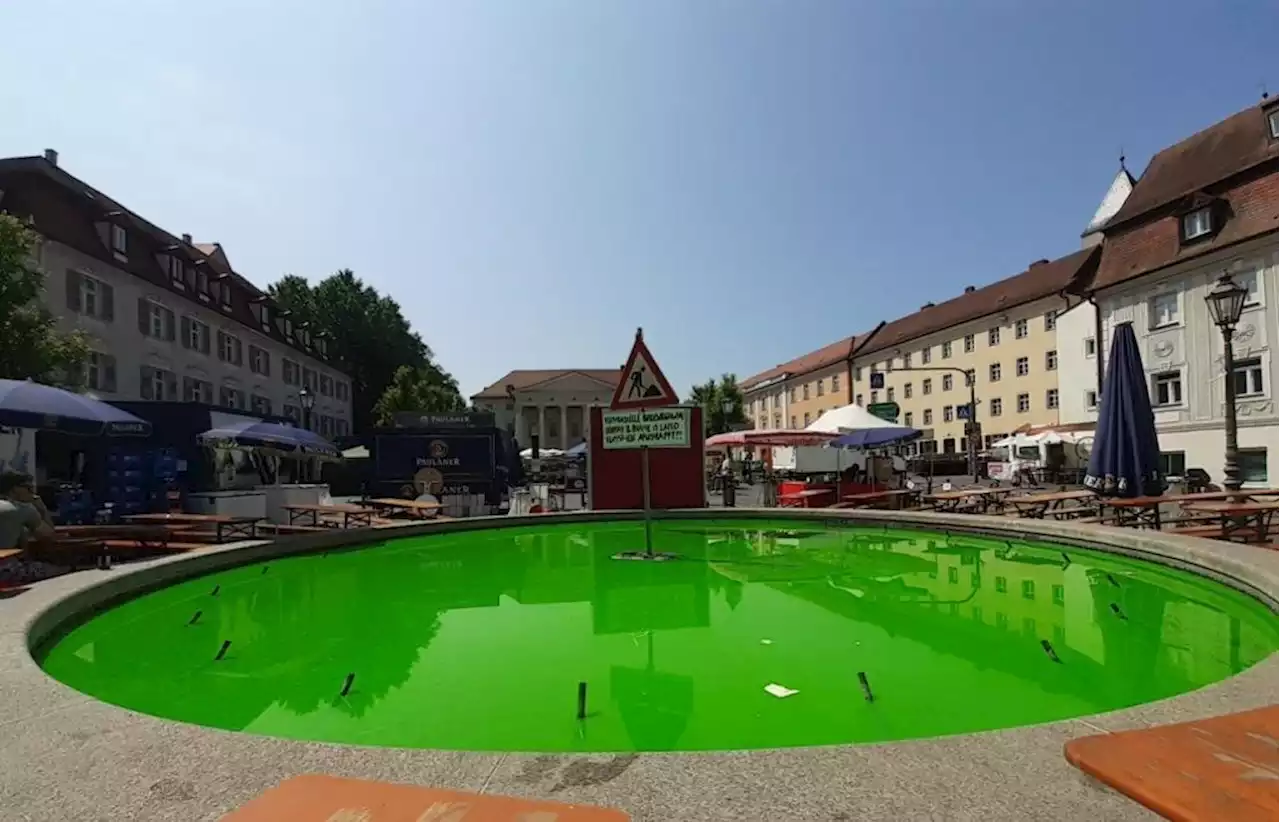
column 568, row 383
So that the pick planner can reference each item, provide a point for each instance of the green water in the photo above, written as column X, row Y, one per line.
column 478, row 640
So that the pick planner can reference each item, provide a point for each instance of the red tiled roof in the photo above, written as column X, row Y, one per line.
column 837, row 351
column 1040, row 280
column 523, row 380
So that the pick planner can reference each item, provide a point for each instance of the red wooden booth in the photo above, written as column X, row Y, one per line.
column 676, row 478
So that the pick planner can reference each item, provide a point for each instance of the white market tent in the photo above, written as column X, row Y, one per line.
column 850, row 418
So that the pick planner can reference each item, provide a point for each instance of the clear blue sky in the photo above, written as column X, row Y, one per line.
column 533, row 179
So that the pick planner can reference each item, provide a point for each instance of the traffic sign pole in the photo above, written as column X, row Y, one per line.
column 648, row 522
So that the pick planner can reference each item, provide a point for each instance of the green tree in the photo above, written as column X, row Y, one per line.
column 711, row 395
column 418, row 389
column 33, row 347
column 368, row 334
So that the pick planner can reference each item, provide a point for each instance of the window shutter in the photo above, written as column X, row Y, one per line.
column 73, row 290
column 144, row 317
column 108, row 307
column 109, row 374
column 204, row 341
column 222, row 348
column 169, row 329
column 171, row 386
column 145, row 376
column 186, row 332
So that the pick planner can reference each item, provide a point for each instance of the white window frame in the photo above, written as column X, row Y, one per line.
column 1052, row 399
column 927, row 417
column 1051, row 360
column 90, row 290
column 158, row 383
column 1254, row 372
column 1091, row 400
column 1252, row 282
column 995, row 408
column 946, row 350
column 1172, row 382
column 95, row 372
column 969, row 344
column 156, row 315
column 1196, row 224
column 906, row 391
column 926, row 355
column 1050, row 320
column 907, row 419
column 1164, row 298
column 119, row 242
column 228, row 344
column 1090, row 347
column 1020, row 330
column 1273, row 123
column 948, row 413
column 994, row 372
column 1023, row 403
column 993, row 336
column 947, row 381
column 926, row 386
column 1022, row 366
column 198, row 332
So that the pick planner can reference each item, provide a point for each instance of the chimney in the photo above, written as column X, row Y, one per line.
column 968, row 289
column 51, row 156
column 926, row 305
column 186, row 238
column 1038, row 262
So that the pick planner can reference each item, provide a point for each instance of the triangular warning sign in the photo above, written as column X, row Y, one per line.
column 643, row 385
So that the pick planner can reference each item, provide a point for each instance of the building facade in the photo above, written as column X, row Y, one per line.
column 167, row 319
column 1002, row 336
column 552, row 404
column 1204, row 207
column 797, row 392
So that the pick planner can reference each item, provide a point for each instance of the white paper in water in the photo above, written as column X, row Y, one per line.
column 779, row 691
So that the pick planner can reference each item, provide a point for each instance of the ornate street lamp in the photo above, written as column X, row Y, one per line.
column 1226, row 302
column 308, row 401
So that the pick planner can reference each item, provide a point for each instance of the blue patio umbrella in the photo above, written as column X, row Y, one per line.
column 875, row 437
column 259, row 434
column 25, row 404
column 1125, row 458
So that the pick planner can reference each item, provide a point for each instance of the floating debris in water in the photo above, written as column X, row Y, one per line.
column 780, row 691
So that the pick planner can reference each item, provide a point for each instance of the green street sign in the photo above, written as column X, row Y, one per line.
column 887, row 411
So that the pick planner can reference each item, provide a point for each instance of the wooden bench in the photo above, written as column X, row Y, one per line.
column 284, row 530
column 1215, row 532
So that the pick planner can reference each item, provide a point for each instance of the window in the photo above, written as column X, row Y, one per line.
column 1166, row 388
column 1197, row 224
column 197, row 390
column 1253, row 464
column 90, row 297
column 926, row 386
column 119, row 243
column 928, row 416
column 1022, row 366
column 835, row 383
column 155, row 321
column 946, row 351
column 953, row 575
column 993, row 372
column 341, row 428
column 1162, row 310
column 970, row 377
column 997, row 407
column 907, row 419
column 1050, row 320
column 231, row 397
column 1020, row 330
column 1002, row 585
column 326, row 385
column 818, row 387
column 993, row 336
column 158, row 384
column 1051, row 361
column 906, row 391
column 1273, row 123
column 259, row 404
column 906, row 360
column 1249, row 282
column 1024, row 403
column 804, row 391
column 889, row 394
column 226, row 293
column 1090, row 347
column 1051, row 399
column 1091, row 400
column 1172, row 463
column 1248, row 377
column 178, row 272
column 857, row 373
column 793, row 421
column 100, row 372
column 195, row 335
column 230, row 349
column 948, row 413
column 259, row 361
column 1028, row 589
column 968, row 343
column 946, row 382
column 858, row 400
column 926, row 356
column 875, row 397
column 806, row 419
column 326, row 425
column 291, row 372
column 292, row 412
column 1058, row 594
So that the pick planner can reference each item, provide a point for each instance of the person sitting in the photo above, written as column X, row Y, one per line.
column 25, row 525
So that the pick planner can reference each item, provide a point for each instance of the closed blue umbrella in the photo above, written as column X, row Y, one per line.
column 258, row 434
column 1125, row 461
column 875, row 437
column 25, row 404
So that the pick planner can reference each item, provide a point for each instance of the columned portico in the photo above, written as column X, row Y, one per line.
column 556, row 406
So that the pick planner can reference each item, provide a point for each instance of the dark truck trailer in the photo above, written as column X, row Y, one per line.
column 453, row 461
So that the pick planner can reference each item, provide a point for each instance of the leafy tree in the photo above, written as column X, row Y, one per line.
column 711, row 395
column 368, row 334
column 418, row 389
column 32, row 347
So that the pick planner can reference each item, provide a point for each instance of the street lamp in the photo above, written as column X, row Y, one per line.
column 1226, row 302
column 729, row 486
column 308, row 401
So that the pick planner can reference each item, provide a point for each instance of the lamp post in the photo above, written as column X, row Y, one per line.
column 1226, row 302
column 308, row 401
column 730, row 488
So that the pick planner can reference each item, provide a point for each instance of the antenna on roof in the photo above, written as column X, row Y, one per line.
column 1122, row 166
column 1262, row 84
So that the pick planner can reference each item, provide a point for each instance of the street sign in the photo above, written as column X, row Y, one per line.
column 647, row 428
column 963, row 412
column 887, row 411
column 877, row 380
column 643, row 385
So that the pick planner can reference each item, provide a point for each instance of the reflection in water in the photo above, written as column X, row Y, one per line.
column 478, row 640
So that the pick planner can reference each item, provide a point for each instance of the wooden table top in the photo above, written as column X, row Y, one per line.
column 1246, row 507
column 222, row 518
column 331, row 508
column 1051, row 496
column 407, row 503
column 964, row 493
column 869, row 495
column 809, row 492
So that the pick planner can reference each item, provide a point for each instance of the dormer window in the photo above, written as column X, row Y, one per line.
column 202, row 284
column 177, row 271
column 119, row 242
column 1197, row 224
column 1273, row 123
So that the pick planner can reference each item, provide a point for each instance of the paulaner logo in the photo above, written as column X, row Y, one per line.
column 439, row 456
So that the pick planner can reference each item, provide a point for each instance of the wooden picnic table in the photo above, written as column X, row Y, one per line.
column 224, row 525
column 421, row 508
column 1145, row 511
column 985, row 497
column 1238, row 517
column 800, row 499
column 360, row 515
column 900, row 496
column 1035, row 506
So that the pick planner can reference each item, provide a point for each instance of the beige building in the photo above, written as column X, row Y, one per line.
column 1001, row 336
column 551, row 403
column 795, row 393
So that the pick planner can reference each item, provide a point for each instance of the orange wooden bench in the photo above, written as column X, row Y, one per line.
column 1222, row 768
column 317, row 798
